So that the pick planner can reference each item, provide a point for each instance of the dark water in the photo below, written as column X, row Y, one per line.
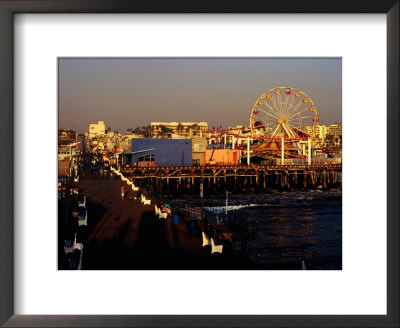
column 315, row 224
column 302, row 220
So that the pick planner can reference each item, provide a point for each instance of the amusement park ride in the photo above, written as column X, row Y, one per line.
column 281, row 111
column 276, row 119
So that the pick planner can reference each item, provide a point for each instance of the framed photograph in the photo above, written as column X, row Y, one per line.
column 295, row 71
column 205, row 208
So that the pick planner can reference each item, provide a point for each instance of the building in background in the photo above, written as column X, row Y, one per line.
column 335, row 130
column 160, row 152
column 334, row 135
column 327, row 136
column 96, row 128
column 316, row 131
column 221, row 156
column 186, row 129
column 198, row 150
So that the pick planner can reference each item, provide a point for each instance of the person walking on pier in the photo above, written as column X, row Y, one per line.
column 122, row 192
column 161, row 206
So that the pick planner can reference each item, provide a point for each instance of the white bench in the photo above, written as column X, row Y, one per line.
column 83, row 222
column 206, row 239
column 162, row 215
column 68, row 246
column 215, row 248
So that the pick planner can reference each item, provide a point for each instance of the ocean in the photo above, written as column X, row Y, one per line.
column 308, row 221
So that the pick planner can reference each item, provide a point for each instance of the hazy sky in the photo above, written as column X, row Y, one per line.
column 131, row 92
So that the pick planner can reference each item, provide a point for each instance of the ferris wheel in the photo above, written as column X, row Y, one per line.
column 282, row 112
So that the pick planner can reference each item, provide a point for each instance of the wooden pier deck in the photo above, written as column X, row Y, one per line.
column 125, row 234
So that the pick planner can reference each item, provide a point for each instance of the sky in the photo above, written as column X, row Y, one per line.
column 131, row 92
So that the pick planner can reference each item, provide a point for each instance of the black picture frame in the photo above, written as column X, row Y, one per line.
column 10, row 7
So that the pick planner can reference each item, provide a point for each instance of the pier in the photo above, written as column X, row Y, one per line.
column 235, row 178
column 125, row 234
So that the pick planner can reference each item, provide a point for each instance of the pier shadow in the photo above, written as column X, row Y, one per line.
column 158, row 247
column 175, row 235
column 126, row 235
column 161, row 245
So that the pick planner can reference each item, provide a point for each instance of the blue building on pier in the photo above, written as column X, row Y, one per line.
column 160, row 152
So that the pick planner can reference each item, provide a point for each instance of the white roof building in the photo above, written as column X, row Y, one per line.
column 97, row 128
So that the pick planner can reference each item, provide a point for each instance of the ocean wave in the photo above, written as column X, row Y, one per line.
column 222, row 209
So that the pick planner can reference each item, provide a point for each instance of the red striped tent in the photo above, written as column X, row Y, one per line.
column 273, row 145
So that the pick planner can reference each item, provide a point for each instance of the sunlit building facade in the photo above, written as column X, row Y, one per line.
column 96, row 128
column 318, row 131
column 335, row 130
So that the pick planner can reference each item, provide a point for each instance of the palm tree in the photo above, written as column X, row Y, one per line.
column 180, row 128
column 159, row 131
column 164, row 131
column 147, row 131
column 194, row 129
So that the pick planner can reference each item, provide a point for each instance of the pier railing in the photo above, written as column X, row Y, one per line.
column 246, row 227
